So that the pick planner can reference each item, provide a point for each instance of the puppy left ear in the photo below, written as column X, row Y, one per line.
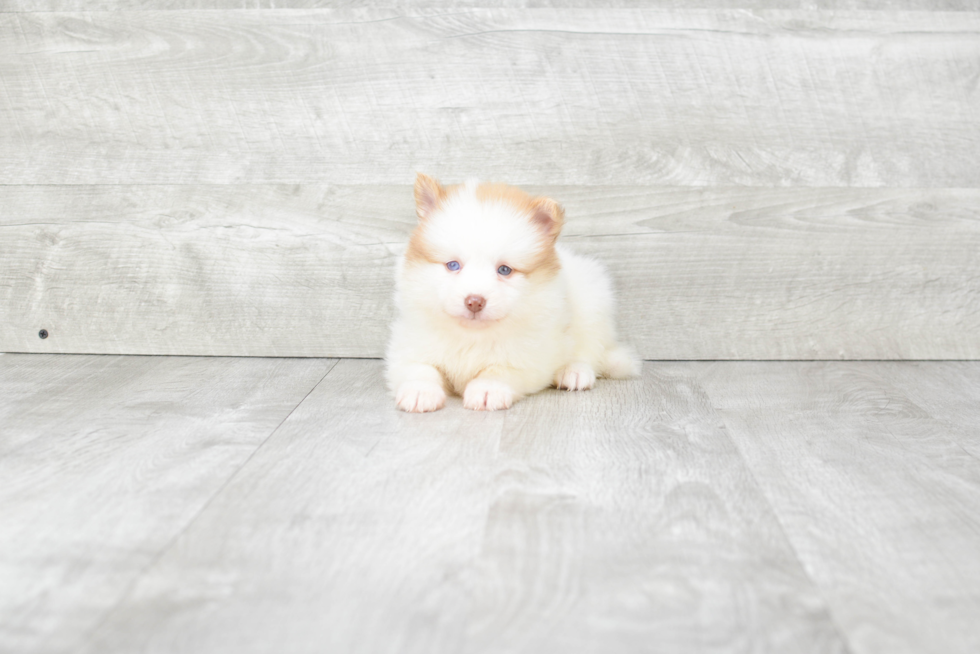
column 548, row 216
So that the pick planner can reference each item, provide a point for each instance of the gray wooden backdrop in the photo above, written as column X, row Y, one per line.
column 764, row 181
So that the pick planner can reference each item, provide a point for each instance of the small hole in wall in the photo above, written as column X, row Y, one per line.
column 43, row 333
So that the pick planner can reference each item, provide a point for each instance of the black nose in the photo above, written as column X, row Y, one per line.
column 475, row 303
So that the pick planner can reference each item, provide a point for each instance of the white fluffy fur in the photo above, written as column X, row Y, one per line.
column 535, row 331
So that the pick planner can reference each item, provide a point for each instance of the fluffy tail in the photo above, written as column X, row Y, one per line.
column 620, row 363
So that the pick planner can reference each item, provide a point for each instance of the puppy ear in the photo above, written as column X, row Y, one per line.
column 428, row 194
column 548, row 216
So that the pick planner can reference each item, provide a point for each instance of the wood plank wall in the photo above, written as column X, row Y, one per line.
column 763, row 181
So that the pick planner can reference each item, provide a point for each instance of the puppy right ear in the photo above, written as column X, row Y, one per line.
column 428, row 195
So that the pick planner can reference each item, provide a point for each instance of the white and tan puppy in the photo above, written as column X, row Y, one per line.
column 491, row 309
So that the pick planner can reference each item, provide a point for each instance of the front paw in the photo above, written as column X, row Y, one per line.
column 576, row 376
column 420, row 396
column 487, row 395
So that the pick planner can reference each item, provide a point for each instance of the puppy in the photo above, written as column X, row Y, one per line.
column 491, row 309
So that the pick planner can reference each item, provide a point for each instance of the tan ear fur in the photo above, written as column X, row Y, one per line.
column 548, row 216
column 429, row 194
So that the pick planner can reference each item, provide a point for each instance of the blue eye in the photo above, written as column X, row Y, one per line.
column 453, row 265
column 504, row 270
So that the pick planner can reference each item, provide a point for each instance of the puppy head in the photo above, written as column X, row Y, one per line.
column 479, row 250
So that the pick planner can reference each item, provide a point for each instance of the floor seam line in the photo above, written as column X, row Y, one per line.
column 86, row 640
column 845, row 641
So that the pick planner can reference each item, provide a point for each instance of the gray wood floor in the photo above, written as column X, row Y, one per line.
column 163, row 504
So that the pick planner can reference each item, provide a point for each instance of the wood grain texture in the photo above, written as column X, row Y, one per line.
column 263, row 270
column 711, row 507
column 618, row 520
column 624, row 520
column 164, row 5
column 548, row 96
column 104, row 461
column 877, row 494
column 950, row 394
column 347, row 533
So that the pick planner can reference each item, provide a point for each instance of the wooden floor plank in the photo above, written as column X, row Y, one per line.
column 269, row 270
column 617, row 520
column 876, row 495
column 104, row 460
column 624, row 520
column 589, row 95
column 756, row 5
column 949, row 392
column 347, row 532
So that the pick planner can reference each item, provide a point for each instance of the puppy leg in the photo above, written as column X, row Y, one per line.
column 576, row 376
column 488, row 394
column 418, row 387
column 499, row 387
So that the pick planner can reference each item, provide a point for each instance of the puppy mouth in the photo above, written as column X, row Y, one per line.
column 470, row 319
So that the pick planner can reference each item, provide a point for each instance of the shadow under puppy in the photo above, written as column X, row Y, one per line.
column 491, row 309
